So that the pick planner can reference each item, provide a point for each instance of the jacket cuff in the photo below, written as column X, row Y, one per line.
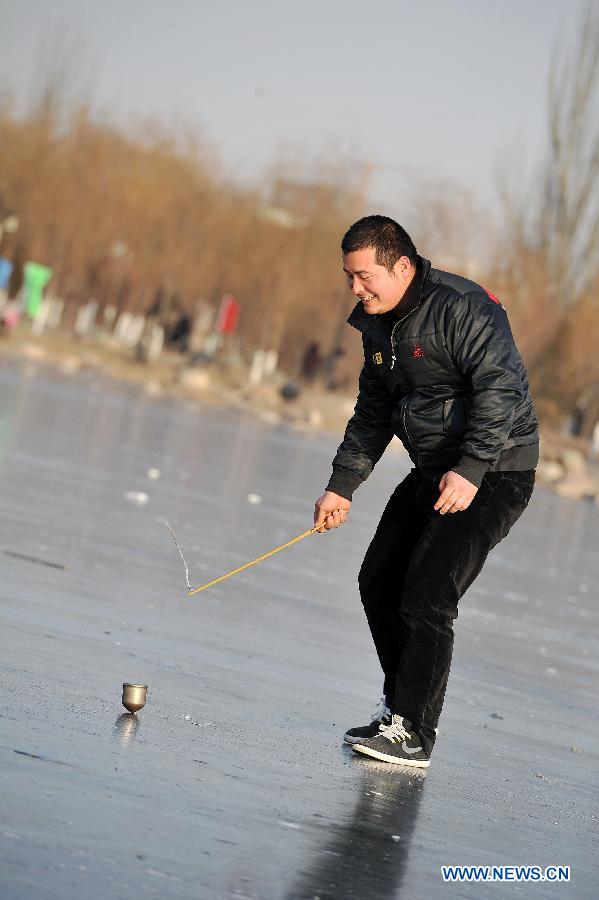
column 472, row 469
column 344, row 482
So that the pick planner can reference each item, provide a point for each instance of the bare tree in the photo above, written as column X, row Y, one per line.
column 548, row 261
column 449, row 225
column 567, row 218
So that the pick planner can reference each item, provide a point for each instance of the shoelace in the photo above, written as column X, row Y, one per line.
column 381, row 710
column 394, row 732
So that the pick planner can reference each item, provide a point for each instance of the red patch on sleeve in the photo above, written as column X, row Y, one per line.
column 492, row 296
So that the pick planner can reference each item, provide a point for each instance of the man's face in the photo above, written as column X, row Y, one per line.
column 379, row 289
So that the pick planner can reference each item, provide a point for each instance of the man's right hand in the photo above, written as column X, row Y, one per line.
column 330, row 511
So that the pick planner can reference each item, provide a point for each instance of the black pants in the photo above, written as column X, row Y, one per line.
column 416, row 569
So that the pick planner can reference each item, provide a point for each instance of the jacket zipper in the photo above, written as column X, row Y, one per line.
column 399, row 321
column 405, row 405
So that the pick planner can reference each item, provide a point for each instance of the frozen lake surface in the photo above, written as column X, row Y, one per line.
column 233, row 781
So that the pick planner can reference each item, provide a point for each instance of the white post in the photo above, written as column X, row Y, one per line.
column 155, row 343
column 257, row 368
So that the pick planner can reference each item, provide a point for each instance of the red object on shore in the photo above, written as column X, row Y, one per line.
column 228, row 315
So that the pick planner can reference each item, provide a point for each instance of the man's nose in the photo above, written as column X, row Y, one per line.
column 356, row 286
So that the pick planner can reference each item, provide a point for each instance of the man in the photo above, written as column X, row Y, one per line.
column 442, row 372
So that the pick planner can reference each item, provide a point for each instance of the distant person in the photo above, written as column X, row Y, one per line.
column 311, row 363
column 441, row 371
column 180, row 334
column 338, row 370
column 6, row 268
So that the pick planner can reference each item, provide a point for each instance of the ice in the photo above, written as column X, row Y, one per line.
column 235, row 769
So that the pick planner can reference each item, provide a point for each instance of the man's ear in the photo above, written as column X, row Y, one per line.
column 402, row 267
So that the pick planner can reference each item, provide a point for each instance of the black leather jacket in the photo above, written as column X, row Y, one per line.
column 442, row 372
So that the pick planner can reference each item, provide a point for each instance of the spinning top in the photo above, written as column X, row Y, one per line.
column 134, row 696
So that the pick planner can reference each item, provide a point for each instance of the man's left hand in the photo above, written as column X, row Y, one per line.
column 457, row 493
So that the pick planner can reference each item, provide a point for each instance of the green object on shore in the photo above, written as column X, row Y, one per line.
column 36, row 279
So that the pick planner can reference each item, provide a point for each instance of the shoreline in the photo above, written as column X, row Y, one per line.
column 564, row 466
column 217, row 384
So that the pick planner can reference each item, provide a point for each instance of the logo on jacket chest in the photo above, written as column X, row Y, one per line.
column 416, row 352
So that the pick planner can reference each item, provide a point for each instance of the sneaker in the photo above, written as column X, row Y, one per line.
column 382, row 716
column 395, row 743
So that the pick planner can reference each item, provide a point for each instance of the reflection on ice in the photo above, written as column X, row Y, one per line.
column 125, row 728
column 365, row 853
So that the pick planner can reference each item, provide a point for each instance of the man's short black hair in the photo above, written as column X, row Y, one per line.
column 388, row 239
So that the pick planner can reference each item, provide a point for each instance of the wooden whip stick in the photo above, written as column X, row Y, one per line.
column 254, row 561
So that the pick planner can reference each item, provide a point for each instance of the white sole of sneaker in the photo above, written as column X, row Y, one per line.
column 376, row 754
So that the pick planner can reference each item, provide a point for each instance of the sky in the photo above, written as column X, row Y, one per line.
column 427, row 89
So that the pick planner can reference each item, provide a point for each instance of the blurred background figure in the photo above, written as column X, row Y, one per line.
column 311, row 363
column 5, row 273
column 340, row 371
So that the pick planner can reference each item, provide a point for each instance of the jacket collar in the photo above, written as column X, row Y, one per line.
column 362, row 320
